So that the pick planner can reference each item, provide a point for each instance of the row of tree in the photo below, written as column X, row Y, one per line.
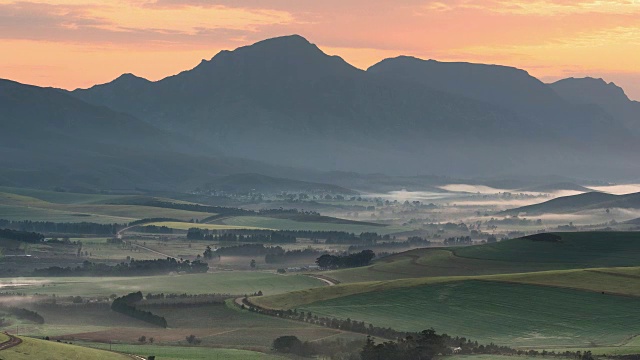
column 62, row 228
column 132, row 268
column 126, row 305
column 272, row 237
column 30, row 237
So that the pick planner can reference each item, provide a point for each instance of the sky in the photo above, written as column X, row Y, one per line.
column 79, row 43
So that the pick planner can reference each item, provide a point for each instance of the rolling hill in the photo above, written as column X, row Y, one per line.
column 580, row 202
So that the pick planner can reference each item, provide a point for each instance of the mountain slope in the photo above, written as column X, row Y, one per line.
column 51, row 139
column 608, row 96
column 243, row 183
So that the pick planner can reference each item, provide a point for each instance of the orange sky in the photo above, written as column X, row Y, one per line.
column 78, row 43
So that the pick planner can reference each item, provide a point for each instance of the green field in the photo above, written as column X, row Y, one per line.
column 50, row 350
column 513, row 314
column 574, row 251
column 37, row 205
column 188, row 352
column 231, row 282
column 287, row 224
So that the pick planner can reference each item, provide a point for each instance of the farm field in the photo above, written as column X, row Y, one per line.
column 49, row 350
column 287, row 224
column 37, row 205
column 230, row 282
column 511, row 314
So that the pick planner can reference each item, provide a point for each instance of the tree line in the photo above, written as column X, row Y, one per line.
column 362, row 258
column 126, row 305
column 62, row 228
column 134, row 267
column 24, row 236
column 272, row 237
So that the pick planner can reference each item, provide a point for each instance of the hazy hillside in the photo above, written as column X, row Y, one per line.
column 242, row 183
column 608, row 96
column 51, row 139
column 284, row 101
column 580, row 202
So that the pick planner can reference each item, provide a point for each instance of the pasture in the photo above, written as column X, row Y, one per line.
column 50, row 350
column 502, row 313
column 288, row 224
column 230, row 282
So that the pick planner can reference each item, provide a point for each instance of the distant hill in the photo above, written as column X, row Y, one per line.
column 580, row 202
column 286, row 102
column 563, row 186
column 608, row 96
column 243, row 183
column 51, row 139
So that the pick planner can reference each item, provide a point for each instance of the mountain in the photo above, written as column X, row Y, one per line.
column 284, row 101
column 504, row 86
column 580, row 202
column 608, row 96
column 244, row 183
column 51, row 139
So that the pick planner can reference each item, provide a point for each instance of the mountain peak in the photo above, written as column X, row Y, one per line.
column 589, row 90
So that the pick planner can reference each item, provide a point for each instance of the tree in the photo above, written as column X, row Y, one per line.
column 193, row 340
column 142, row 339
column 286, row 344
column 151, row 340
column 253, row 263
column 208, row 253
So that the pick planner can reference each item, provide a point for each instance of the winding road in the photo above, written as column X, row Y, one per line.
column 13, row 341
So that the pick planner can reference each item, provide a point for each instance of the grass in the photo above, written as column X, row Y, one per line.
column 288, row 224
column 49, row 350
column 232, row 282
column 512, row 314
column 621, row 281
column 188, row 352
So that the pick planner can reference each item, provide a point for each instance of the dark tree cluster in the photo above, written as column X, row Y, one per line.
column 287, row 211
column 25, row 314
column 126, row 305
column 134, row 267
column 63, row 228
column 362, row 258
column 462, row 240
column 24, row 236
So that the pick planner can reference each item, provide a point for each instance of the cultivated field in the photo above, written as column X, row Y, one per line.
column 510, row 314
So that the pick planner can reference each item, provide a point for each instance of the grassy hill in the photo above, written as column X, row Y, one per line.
column 580, row 202
column 572, row 251
column 503, row 313
column 49, row 350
